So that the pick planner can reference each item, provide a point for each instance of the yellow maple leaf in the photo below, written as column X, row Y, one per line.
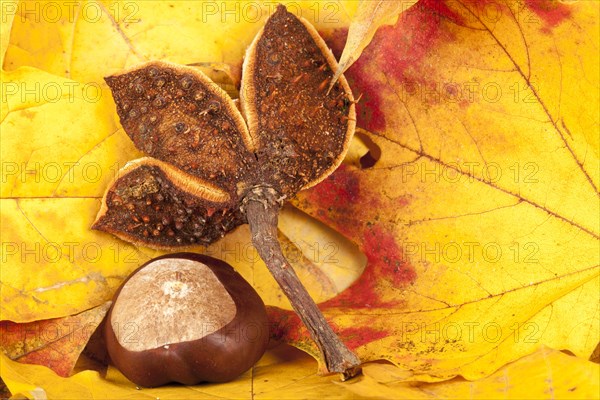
column 478, row 220
column 288, row 373
column 545, row 377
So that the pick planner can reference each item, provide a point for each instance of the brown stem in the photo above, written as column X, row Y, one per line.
column 262, row 209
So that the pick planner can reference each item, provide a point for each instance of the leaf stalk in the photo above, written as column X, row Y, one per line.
column 262, row 205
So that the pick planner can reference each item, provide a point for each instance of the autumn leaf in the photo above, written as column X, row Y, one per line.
column 475, row 209
column 282, row 372
column 550, row 373
column 54, row 343
column 369, row 16
column 479, row 220
column 58, row 38
column 287, row 373
column 7, row 20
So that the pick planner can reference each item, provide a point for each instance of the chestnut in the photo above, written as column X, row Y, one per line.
column 185, row 318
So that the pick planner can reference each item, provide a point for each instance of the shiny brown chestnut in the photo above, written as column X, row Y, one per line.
column 185, row 318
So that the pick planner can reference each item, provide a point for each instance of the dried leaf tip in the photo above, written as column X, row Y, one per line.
column 370, row 15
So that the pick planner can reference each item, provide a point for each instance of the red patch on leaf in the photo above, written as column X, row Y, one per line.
column 341, row 204
column 339, row 194
column 552, row 12
column 382, row 250
column 368, row 109
column 404, row 46
column 404, row 201
column 364, row 84
column 284, row 324
column 339, row 188
column 357, row 336
column 386, row 266
column 398, row 52
column 55, row 343
column 336, row 40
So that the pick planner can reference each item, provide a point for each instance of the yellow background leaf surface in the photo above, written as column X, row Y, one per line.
column 474, row 229
column 288, row 373
column 480, row 218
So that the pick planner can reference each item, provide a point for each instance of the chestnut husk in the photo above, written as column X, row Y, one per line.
column 218, row 357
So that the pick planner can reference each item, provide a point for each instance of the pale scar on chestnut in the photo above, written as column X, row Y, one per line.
column 211, row 168
column 166, row 284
